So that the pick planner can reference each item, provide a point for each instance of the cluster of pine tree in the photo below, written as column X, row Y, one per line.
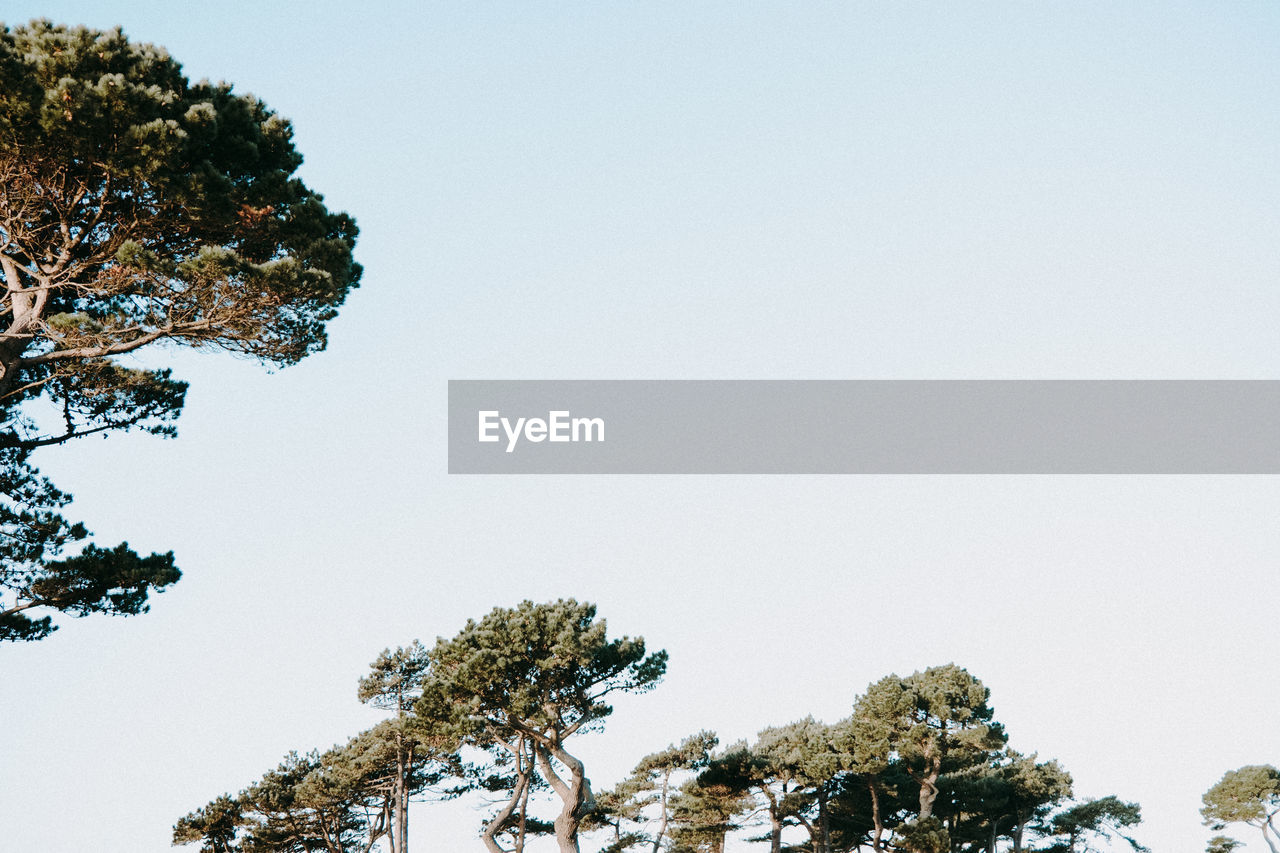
column 920, row 764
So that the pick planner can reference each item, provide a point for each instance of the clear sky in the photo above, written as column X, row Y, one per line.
column 701, row 190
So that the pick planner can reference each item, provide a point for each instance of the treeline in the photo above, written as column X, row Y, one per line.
column 920, row 765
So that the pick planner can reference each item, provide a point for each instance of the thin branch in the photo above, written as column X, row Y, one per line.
column 176, row 330
column 32, row 443
column 29, row 385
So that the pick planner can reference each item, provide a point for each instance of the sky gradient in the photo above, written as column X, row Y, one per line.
column 712, row 190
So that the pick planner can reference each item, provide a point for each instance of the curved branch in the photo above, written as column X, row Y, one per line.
column 176, row 330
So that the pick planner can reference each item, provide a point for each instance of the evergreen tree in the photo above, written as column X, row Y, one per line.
column 136, row 208
column 1076, row 828
column 807, row 758
column 704, row 812
column 514, row 772
column 343, row 800
column 930, row 722
column 394, row 683
column 1248, row 795
column 650, row 787
column 537, row 674
column 1030, row 790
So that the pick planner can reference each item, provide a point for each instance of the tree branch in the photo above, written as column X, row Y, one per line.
column 117, row 349
column 559, row 785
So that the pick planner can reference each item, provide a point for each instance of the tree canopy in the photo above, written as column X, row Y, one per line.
column 136, row 208
column 343, row 800
column 394, row 683
column 537, row 674
column 650, row 788
column 1248, row 795
column 1084, row 823
column 919, row 766
column 931, row 720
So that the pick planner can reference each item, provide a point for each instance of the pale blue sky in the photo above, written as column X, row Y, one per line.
column 843, row 190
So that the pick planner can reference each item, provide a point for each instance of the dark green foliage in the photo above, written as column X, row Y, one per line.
column 1076, row 828
column 536, row 667
column 339, row 801
column 519, row 682
column 216, row 826
column 806, row 762
column 310, row 802
column 292, row 809
column 1221, row 844
column 850, row 821
column 692, row 753
column 616, row 810
column 394, row 683
column 136, row 208
column 33, row 532
column 156, row 206
column 932, row 722
column 1001, row 798
column 94, row 581
column 864, row 782
column 396, row 678
column 533, row 676
column 926, row 835
column 644, row 797
column 625, row 841
column 97, row 580
column 704, row 812
column 349, row 797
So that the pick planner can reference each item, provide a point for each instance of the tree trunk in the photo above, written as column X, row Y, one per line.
column 929, row 784
column 1267, row 835
column 567, row 833
column 404, row 761
column 662, row 821
column 378, row 831
column 25, row 311
column 401, row 843
column 575, row 794
column 522, row 830
column 824, row 822
column 489, row 835
column 877, row 822
column 519, row 795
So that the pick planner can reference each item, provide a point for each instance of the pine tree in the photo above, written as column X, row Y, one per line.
column 136, row 208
